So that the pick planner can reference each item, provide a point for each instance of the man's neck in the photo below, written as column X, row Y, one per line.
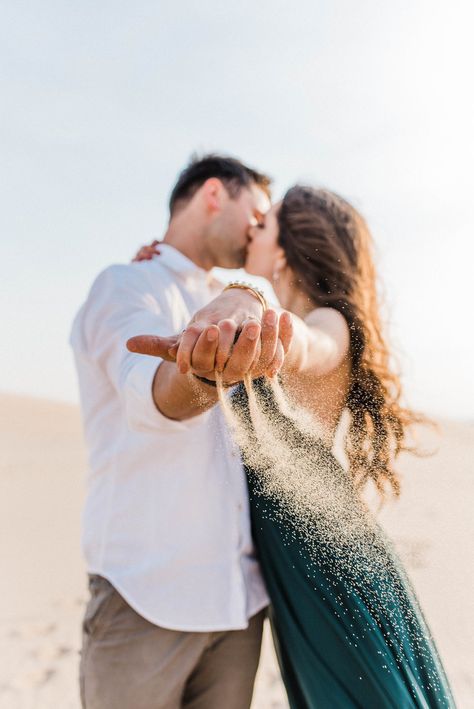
column 189, row 242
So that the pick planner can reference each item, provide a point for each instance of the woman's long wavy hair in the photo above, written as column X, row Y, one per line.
column 329, row 248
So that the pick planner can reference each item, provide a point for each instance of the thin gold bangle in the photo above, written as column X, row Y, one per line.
column 249, row 287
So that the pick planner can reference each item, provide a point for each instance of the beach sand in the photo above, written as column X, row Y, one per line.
column 43, row 587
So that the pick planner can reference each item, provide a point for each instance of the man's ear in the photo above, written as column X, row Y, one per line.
column 213, row 191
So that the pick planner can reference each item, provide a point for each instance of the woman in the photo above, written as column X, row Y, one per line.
column 346, row 625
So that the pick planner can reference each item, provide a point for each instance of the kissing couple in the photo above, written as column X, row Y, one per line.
column 214, row 497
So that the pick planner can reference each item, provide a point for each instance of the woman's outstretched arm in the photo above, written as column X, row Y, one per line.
column 319, row 344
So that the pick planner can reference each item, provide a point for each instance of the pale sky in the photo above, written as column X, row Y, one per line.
column 103, row 103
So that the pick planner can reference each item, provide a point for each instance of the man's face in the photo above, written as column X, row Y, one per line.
column 229, row 235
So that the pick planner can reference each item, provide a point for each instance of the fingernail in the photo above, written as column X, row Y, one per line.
column 271, row 318
column 252, row 333
column 212, row 335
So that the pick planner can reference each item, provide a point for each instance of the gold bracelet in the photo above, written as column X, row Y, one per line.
column 252, row 289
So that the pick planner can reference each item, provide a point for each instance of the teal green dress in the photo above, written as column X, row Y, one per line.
column 345, row 636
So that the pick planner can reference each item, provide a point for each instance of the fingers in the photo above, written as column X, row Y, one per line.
column 257, row 356
column 285, row 335
column 285, row 330
column 269, row 351
column 204, row 352
column 189, row 339
column 227, row 331
column 146, row 253
column 154, row 346
column 276, row 364
column 269, row 338
column 243, row 352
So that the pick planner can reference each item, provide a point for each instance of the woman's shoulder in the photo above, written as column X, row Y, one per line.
column 325, row 314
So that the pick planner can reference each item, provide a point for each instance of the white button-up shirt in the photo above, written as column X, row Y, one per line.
column 167, row 516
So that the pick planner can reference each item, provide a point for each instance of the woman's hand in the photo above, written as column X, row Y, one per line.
column 234, row 312
column 146, row 253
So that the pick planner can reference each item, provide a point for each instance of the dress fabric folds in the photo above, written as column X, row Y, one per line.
column 345, row 638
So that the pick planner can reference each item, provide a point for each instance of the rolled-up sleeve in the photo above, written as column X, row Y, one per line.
column 141, row 411
column 119, row 306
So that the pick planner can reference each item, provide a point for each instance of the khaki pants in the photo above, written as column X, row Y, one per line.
column 129, row 663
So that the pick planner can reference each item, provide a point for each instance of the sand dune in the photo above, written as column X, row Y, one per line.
column 42, row 585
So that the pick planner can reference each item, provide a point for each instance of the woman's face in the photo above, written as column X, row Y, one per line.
column 263, row 250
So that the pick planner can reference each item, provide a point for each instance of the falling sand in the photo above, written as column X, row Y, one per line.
column 285, row 451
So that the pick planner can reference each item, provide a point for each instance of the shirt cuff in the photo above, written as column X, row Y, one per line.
column 141, row 411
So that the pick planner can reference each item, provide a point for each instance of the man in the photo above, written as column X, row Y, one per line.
column 176, row 608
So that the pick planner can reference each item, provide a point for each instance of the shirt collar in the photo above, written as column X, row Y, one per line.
column 180, row 264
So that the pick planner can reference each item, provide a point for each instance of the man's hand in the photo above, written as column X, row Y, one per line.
column 259, row 348
column 164, row 347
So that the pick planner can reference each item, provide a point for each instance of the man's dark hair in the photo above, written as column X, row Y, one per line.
column 233, row 173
